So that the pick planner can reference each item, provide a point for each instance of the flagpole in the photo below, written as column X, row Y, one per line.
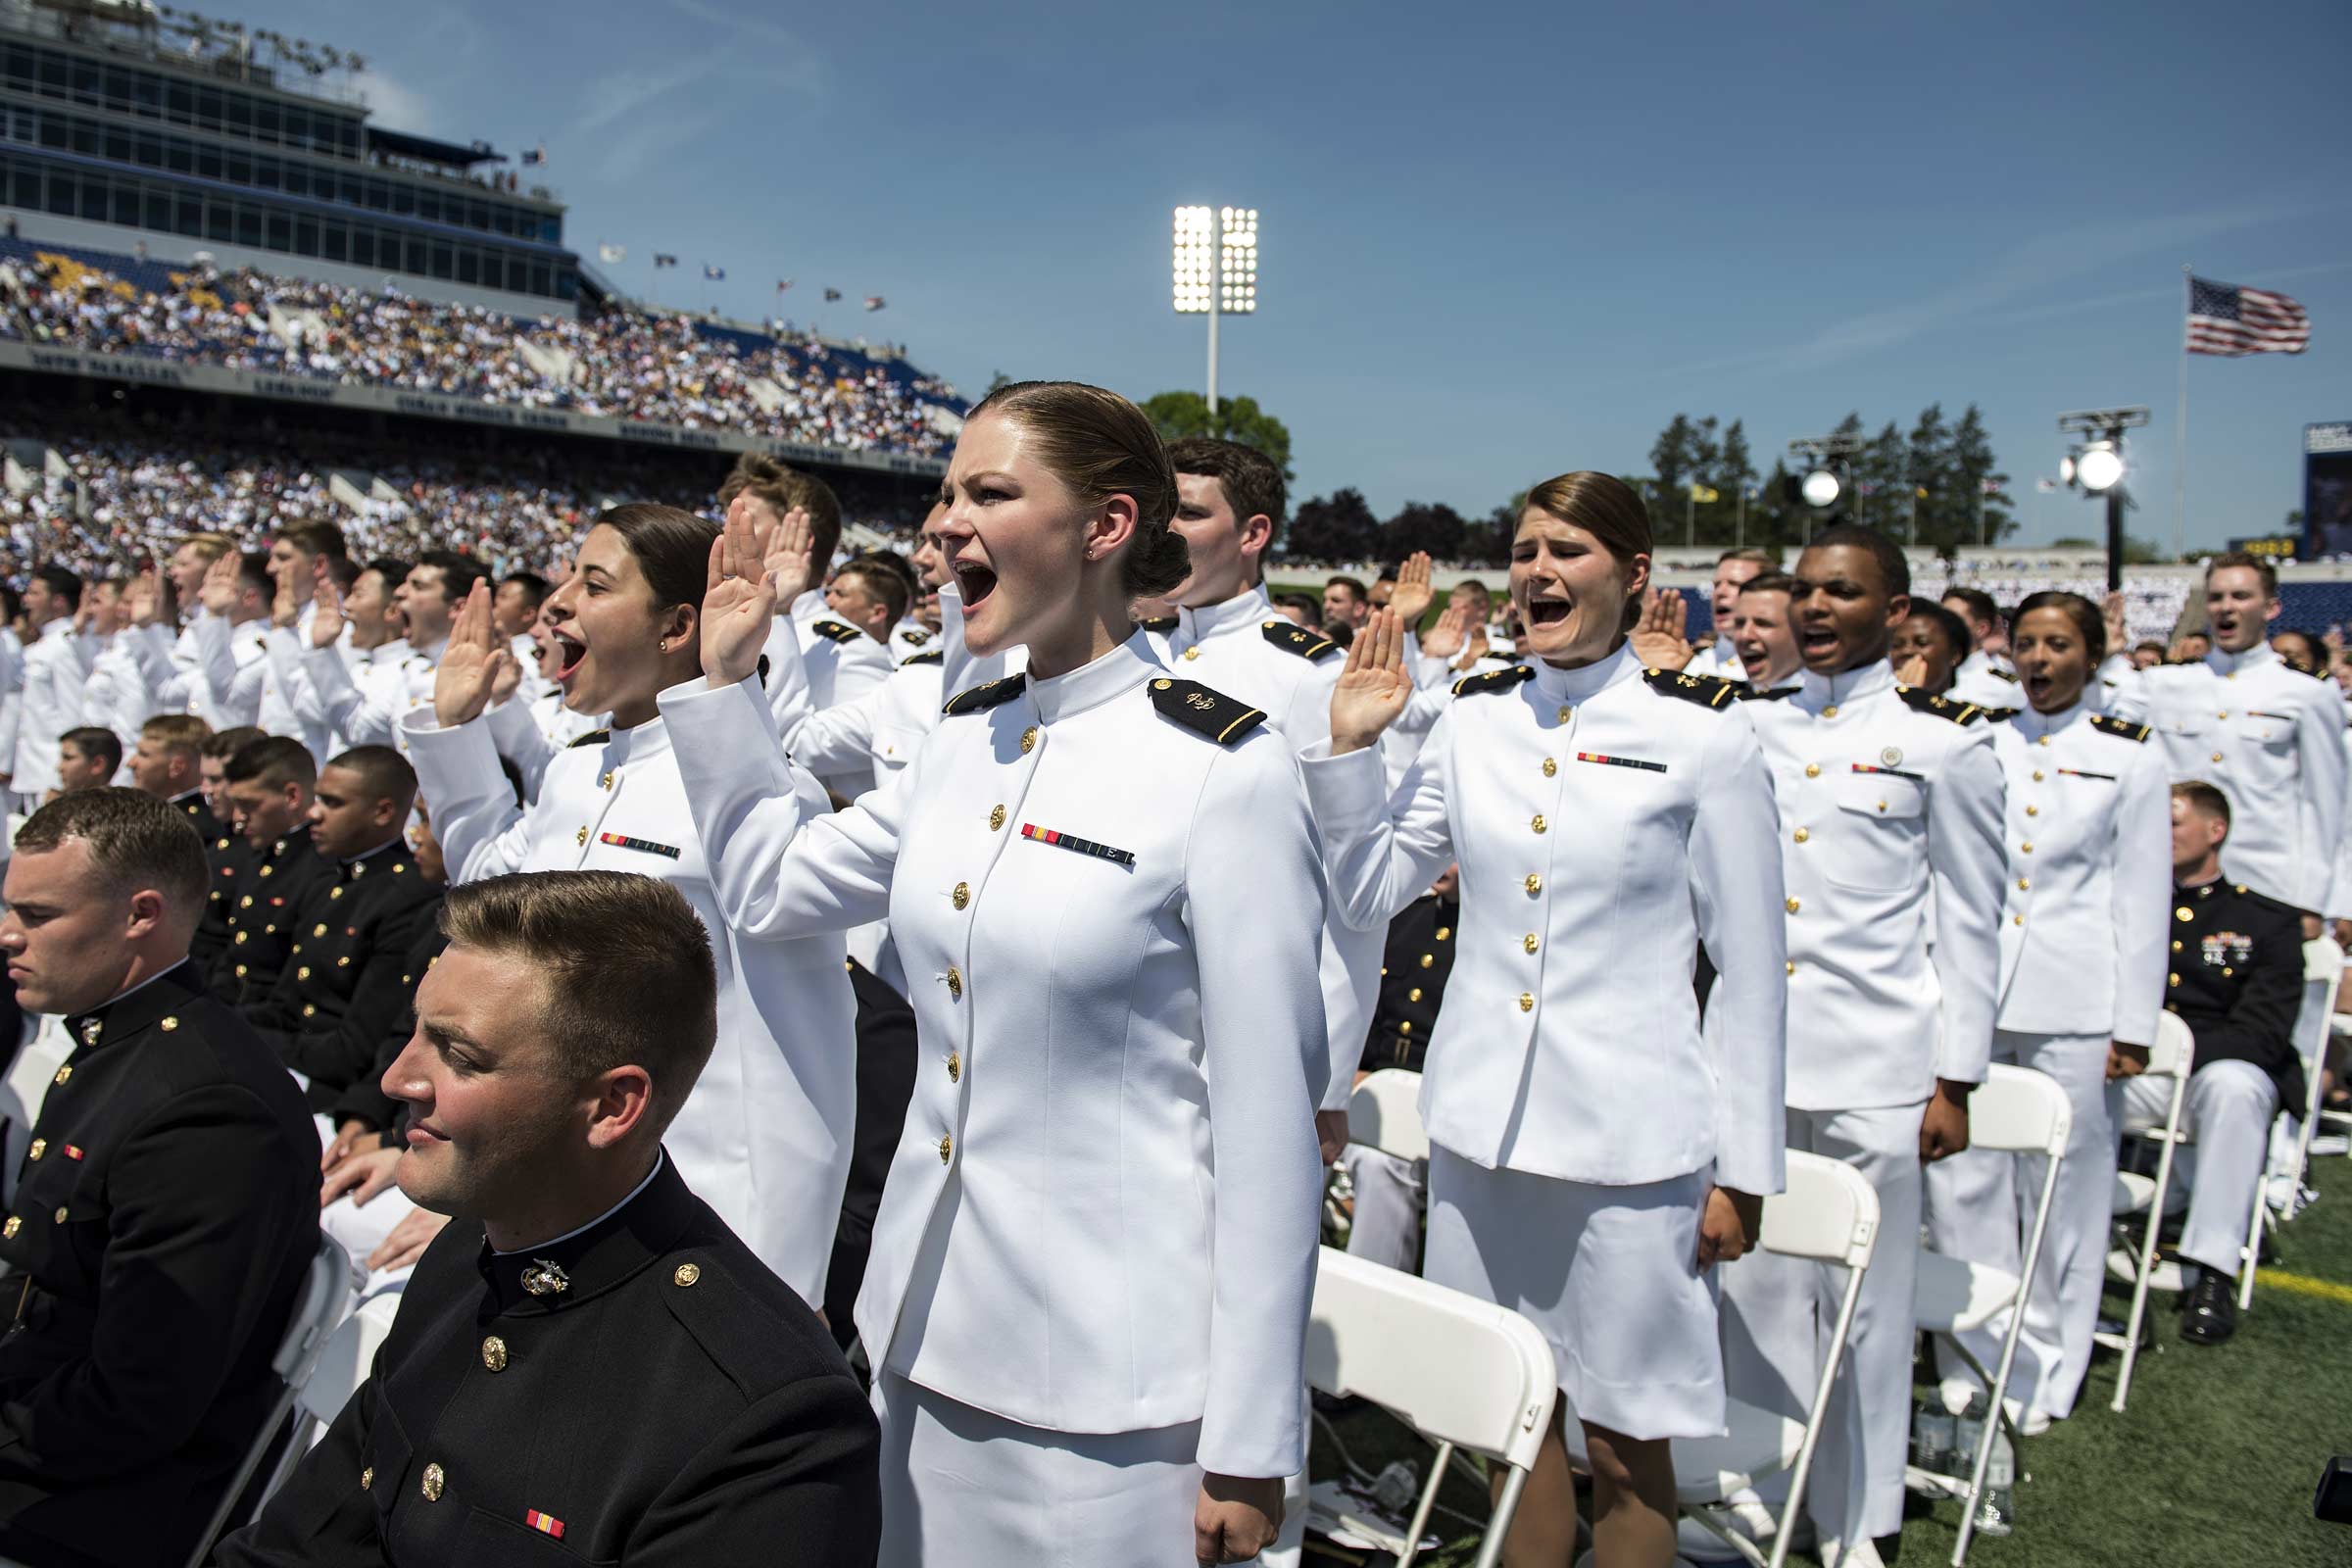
column 2181, row 439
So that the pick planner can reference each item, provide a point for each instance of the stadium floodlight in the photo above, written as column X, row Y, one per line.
column 2097, row 467
column 2066, row 469
column 2100, row 467
column 1213, row 271
column 1820, row 488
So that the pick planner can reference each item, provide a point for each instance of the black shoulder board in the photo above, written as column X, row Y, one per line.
column 1772, row 694
column 935, row 656
column 1288, row 634
column 1999, row 673
column 1707, row 691
column 1162, row 623
column 1920, row 702
column 2120, row 726
column 2000, row 715
column 985, row 696
column 595, row 737
column 1204, row 711
column 1494, row 681
column 915, row 635
column 834, row 632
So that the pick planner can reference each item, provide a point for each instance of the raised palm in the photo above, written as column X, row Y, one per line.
column 1373, row 688
column 1413, row 593
column 739, row 603
column 1447, row 637
column 469, row 664
column 326, row 616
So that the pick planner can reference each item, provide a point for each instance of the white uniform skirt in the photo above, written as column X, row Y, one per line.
column 1608, row 1275
column 964, row 1489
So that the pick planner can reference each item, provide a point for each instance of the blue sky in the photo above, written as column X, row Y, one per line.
column 1498, row 242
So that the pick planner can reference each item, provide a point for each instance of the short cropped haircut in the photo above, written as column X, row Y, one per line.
column 135, row 841
column 1981, row 605
column 227, row 743
column 178, row 732
column 533, row 586
column 2202, row 798
column 1355, row 585
column 95, row 739
column 880, row 584
column 1770, row 582
column 1253, row 483
column 459, row 573
column 2267, row 572
column 344, row 571
column 629, row 976
column 383, row 773
column 63, row 582
column 210, row 546
column 1755, row 553
column 314, row 538
column 1891, row 565
column 783, row 488
column 253, row 571
column 276, row 760
column 391, row 569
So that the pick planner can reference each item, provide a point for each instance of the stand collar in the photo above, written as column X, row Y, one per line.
column 1249, row 608
column 580, row 1266
column 1091, row 685
column 1588, row 681
column 153, row 999
column 1815, row 692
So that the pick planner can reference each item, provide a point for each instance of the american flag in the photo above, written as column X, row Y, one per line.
column 2224, row 319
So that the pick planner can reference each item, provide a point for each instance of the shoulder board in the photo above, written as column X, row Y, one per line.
column 985, row 696
column 1290, row 636
column 1775, row 694
column 1162, row 624
column 1707, row 691
column 595, row 737
column 834, row 632
column 1494, row 681
column 914, row 636
column 1999, row 673
column 1204, row 712
column 1920, row 702
column 2120, row 726
column 2000, row 715
column 936, row 656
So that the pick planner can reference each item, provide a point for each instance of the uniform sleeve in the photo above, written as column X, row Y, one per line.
column 483, row 833
column 802, row 1466
column 837, row 740
column 1966, row 864
column 1738, row 893
column 205, row 1206
column 779, row 867
column 861, row 667
column 321, row 1517
column 2320, row 748
column 2133, row 698
column 789, row 699
column 516, row 735
column 2142, row 878
column 340, row 704
column 1251, row 855
column 283, row 648
column 1380, row 850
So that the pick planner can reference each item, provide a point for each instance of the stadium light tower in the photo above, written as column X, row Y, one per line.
column 2097, row 467
column 1215, row 269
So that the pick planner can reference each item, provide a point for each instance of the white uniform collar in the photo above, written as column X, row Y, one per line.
column 648, row 739
column 1586, row 681
column 1815, row 692
column 1250, row 607
column 2226, row 664
column 1091, row 685
column 1977, row 663
column 2034, row 725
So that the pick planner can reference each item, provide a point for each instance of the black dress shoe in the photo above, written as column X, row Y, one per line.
column 2211, row 1315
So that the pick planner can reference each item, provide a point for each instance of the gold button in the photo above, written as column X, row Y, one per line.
column 1564, row 712
column 1792, row 905
column 13, row 1226
column 1405, row 1027
column 687, row 1274
column 2226, row 971
column 240, row 971
column 433, row 1482
column 1444, row 932
column 955, row 982
column 1801, row 835
column 2033, row 810
column 303, row 973
column 336, row 893
column 1535, row 883
column 1428, row 958
column 2176, row 945
column 947, row 1147
column 1529, row 942
column 63, row 1073
column 2216, row 757
column 2173, row 978
column 2043, row 740
column 955, row 1067
column 1882, row 806
column 40, row 1146
column 344, row 961
column 245, row 903
column 581, row 837
column 1161, row 685
column 2183, row 913
column 1538, row 824
column 494, row 1353
column 1413, row 995
column 1550, row 767
column 1812, row 771
column 1527, row 1002
column 2022, row 884
column 2224, row 713
column 399, row 866
column 1792, row 965
column 2017, row 919
column 606, row 782
column 1029, row 740
column 963, row 894
column 2026, row 848
column 310, row 1010
column 1192, row 653
column 320, row 929
column 1830, row 712
column 61, row 1215
column 367, row 1478
column 265, row 870
column 995, row 818
column 2038, row 775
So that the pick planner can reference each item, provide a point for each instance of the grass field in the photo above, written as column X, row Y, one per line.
column 2214, row 1462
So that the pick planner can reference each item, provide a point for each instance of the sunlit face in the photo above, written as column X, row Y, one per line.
column 511, row 609
column 1014, row 535
column 425, row 845
column 160, row 769
column 1341, row 604
column 77, row 769
column 425, row 611
column 2237, row 608
column 608, row 633
column 346, row 818
column 66, row 935
column 1763, row 638
column 189, row 563
column 1224, row 547
column 213, row 785
column 1477, row 603
column 2053, row 662
column 109, row 614
column 264, row 814
column 1977, row 630
column 2195, row 836
column 294, row 566
column 2297, row 652
column 1844, row 612
column 1923, row 639
column 2146, row 658
column 848, row 598
column 1569, row 591
column 930, row 568
column 43, row 604
column 1724, row 592
column 369, row 605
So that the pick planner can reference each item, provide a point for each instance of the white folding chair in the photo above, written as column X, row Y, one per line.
column 2014, row 1110
column 2323, row 977
column 324, row 1300
column 342, row 1365
column 2174, row 1056
column 1384, row 1113
column 1462, row 1372
column 1828, row 1214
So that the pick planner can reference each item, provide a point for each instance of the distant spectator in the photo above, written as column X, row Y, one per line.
column 88, row 758
column 1346, row 600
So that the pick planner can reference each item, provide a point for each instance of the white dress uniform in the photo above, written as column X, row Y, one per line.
column 1891, row 814
column 1983, row 681
column 235, row 658
column 1717, row 660
column 12, row 697
column 1092, row 1267
column 365, row 706
column 57, row 671
column 841, row 663
column 764, row 1138
column 910, row 639
column 1571, row 1000
column 2269, row 737
column 118, row 696
column 2083, row 963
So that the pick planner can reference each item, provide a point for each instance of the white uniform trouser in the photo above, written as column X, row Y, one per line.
column 1390, row 1195
column 1780, row 1312
column 2228, row 1113
column 1980, row 1207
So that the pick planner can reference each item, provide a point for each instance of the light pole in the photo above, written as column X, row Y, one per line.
column 1822, row 488
column 2097, row 467
column 1215, row 270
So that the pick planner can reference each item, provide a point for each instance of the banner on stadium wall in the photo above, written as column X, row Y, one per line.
column 216, row 379
column 2327, row 490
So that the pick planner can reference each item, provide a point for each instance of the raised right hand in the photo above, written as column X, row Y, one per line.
column 219, row 591
column 739, row 603
column 1373, row 688
column 469, row 664
column 326, row 621
column 1411, row 596
column 1447, row 637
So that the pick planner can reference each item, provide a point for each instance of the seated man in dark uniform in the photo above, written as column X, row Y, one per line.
column 166, row 1214
column 226, row 851
column 2237, row 982
column 167, row 763
column 270, row 788
column 586, row 1352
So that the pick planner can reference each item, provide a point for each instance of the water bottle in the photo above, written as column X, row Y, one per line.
column 1932, row 1434
column 1968, row 1430
column 1996, row 1510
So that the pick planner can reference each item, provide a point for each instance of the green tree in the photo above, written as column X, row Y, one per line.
column 1335, row 527
column 1432, row 526
column 1979, row 485
column 1177, row 414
